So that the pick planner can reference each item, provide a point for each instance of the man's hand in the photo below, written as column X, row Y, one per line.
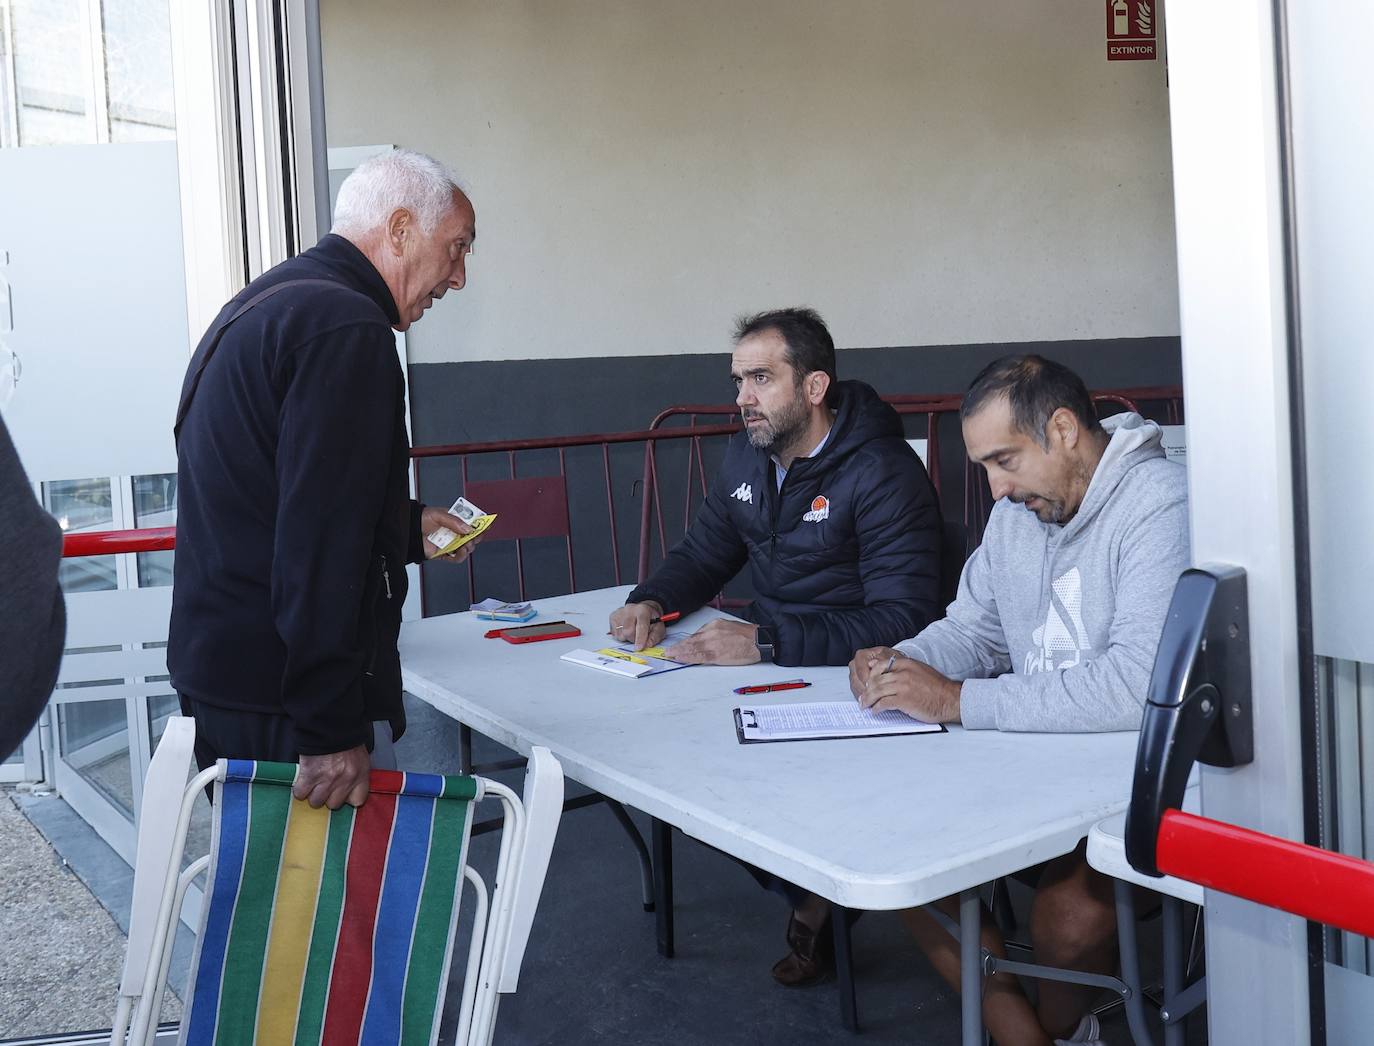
column 630, row 624
column 334, row 779
column 912, row 687
column 431, row 519
column 719, row 642
column 867, row 661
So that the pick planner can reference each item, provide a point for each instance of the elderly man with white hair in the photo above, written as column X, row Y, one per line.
column 294, row 520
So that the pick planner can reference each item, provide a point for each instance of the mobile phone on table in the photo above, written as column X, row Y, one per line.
column 538, row 633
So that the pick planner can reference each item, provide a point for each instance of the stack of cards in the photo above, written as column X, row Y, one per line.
column 495, row 610
column 447, row 541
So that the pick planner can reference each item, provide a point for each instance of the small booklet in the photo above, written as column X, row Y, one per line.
column 625, row 660
column 823, row 720
column 447, row 541
column 495, row 610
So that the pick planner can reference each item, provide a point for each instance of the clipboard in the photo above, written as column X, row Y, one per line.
column 915, row 728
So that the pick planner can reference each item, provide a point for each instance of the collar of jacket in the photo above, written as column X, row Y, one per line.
column 336, row 253
column 860, row 416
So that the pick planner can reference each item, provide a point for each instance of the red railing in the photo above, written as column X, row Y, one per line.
column 1307, row 881
column 111, row 542
column 607, row 479
column 977, row 498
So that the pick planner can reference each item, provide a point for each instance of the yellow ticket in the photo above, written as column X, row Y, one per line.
column 479, row 524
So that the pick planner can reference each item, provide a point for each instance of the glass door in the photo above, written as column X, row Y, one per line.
column 1273, row 145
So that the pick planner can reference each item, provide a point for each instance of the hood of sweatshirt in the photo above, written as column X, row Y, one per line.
column 1133, row 441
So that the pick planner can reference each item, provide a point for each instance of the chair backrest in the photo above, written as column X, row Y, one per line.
column 325, row 925
column 533, row 507
column 163, row 787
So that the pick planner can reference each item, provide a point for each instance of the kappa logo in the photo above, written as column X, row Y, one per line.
column 820, row 509
column 744, row 492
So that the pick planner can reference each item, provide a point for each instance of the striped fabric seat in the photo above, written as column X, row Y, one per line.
column 325, row 926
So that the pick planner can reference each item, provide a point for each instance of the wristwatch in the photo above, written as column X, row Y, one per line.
column 764, row 641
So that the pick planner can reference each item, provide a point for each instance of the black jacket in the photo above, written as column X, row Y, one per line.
column 846, row 556
column 294, row 521
column 35, row 614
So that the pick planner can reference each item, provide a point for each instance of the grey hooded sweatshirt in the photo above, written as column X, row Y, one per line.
column 1055, row 627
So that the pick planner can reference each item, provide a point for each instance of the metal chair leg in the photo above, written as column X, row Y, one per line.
column 1174, row 965
column 1130, row 962
column 464, row 748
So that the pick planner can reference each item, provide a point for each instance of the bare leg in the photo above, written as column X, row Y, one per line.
column 1073, row 925
column 1007, row 1012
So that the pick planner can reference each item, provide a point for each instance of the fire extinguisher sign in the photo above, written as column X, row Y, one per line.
column 1131, row 30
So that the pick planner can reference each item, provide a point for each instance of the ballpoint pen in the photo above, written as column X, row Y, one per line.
column 890, row 662
column 768, row 688
column 666, row 619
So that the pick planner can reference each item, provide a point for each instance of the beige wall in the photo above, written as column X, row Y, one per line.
column 923, row 172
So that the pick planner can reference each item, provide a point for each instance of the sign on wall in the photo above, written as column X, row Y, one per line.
column 1132, row 27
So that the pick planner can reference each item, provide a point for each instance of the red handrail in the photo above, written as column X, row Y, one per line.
column 1307, row 881
column 111, row 542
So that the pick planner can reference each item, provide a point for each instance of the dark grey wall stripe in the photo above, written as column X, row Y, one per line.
column 507, row 399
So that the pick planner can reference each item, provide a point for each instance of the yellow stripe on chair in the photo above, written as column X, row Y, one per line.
column 298, row 890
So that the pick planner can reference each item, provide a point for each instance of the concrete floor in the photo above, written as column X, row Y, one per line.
column 591, row 975
column 63, row 950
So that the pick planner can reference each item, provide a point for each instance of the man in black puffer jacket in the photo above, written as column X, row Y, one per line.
column 825, row 500
column 833, row 511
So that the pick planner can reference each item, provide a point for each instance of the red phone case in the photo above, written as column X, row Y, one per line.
column 568, row 632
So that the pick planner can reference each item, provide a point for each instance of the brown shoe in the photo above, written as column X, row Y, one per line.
column 812, row 958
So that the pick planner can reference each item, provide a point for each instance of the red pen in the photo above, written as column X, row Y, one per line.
column 768, row 688
column 666, row 619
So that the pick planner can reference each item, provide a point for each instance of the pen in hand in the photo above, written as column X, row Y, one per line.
column 666, row 619
column 890, row 662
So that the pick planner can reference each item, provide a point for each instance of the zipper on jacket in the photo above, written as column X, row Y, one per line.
column 386, row 577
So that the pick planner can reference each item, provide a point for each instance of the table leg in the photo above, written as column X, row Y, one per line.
column 971, row 966
column 663, row 885
column 1174, row 962
column 464, row 748
column 841, row 921
column 646, row 866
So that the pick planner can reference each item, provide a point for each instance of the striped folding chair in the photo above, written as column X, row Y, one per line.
column 338, row 927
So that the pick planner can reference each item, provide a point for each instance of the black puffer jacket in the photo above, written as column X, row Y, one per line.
column 294, row 521
column 845, row 556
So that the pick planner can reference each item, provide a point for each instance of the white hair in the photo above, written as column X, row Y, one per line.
column 382, row 183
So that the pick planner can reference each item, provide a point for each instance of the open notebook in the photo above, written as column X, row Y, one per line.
column 822, row 720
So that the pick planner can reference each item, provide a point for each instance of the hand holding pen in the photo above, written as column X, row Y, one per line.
column 641, row 624
column 868, row 663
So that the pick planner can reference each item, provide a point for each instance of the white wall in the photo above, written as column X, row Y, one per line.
column 928, row 172
column 96, row 277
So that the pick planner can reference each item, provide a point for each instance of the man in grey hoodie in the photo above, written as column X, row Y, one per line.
column 1054, row 628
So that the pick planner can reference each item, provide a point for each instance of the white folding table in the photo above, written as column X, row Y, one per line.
column 875, row 823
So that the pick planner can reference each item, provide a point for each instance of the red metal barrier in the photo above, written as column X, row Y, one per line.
column 977, row 497
column 1307, row 881
column 562, row 444
column 111, row 542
